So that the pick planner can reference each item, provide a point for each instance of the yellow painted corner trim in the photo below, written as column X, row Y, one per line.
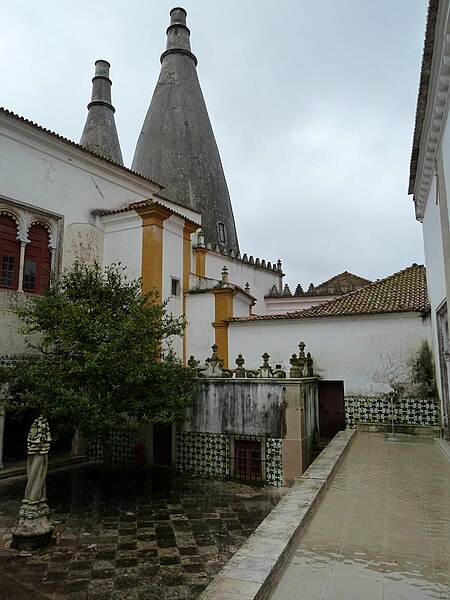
column 200, row 261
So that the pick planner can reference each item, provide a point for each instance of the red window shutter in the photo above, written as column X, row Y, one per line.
column 9, row 253
column 38, row 259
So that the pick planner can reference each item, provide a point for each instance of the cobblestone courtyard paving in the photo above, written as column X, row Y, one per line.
column 129, row 534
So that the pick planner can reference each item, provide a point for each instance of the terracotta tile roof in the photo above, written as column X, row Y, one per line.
column 11, row 115
column 340, row 282
column 138, row 204
column 404, row 291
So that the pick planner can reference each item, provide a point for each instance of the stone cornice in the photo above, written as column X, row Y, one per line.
column 436, row 109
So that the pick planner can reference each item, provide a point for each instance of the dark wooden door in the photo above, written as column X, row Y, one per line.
column 331, row 408
column 162, row 444
column 247, row 459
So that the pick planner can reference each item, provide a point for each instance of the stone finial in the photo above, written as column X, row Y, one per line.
column 257, row 262
column 194, row 366
column 269, row 266
column 263, row 264
column 200, row 239
column 251, row 260
column 279, row 265
column 100, row 133
column 214, row 365
column 192, row 363
column 295, row 366
column 247, row 287
column 240, row 371
column 265, row 369
column 225, row 274
column 302, row 347
column 245, row 257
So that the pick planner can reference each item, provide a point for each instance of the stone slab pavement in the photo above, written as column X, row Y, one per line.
column 129, row 533
column 382, row 530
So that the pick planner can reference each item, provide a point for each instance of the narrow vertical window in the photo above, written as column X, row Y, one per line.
column 222, row 233
column 175, row 291
column 9, row 253
column 38, row 260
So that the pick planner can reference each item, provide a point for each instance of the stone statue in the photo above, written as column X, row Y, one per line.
column 34, row 530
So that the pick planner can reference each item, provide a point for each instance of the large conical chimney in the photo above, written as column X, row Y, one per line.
column 100, row 133
column 177, row 147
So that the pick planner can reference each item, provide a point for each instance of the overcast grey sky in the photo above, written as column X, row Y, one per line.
column 312, row 104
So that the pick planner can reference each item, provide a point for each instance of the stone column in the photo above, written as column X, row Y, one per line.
column 23, row 244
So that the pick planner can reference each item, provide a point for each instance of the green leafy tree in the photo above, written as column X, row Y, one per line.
column 97, row 356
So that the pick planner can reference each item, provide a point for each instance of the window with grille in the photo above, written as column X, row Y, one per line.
column 29, row 276
column 247, row 459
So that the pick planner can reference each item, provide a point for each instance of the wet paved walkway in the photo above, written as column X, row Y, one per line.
column 382, row 530
column 129, row 534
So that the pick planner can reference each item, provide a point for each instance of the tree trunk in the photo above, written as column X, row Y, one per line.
column 107, row 456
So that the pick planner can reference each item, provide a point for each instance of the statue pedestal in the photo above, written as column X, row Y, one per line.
column 34, row 529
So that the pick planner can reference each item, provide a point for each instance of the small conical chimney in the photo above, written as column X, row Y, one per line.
column 100, row 133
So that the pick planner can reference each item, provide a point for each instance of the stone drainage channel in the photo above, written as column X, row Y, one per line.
column 131, row 534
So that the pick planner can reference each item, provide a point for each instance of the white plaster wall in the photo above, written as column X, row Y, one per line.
column 173, row 261
column 281, row 306
column 200, row 332
column 82, row 242
column 11, row 342
column 445, row 150
column 173, row 267
column 123, row 242
column 241, row 304
column 368, row 353
column 434, row 258
column 53, row 175
column 239, row 273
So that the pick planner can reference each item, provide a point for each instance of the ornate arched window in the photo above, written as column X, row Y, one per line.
column 38, row 260
column 9, row 253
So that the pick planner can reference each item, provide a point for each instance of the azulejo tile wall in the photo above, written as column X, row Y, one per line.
column 123, row 444
column 407, row 411
column 203, row 453
column 208, row 454
column 274, row 463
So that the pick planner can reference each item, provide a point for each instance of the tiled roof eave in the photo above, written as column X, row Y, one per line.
column 78, row 147
column 137, row 204
column 290, row 316
column 431, row 103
